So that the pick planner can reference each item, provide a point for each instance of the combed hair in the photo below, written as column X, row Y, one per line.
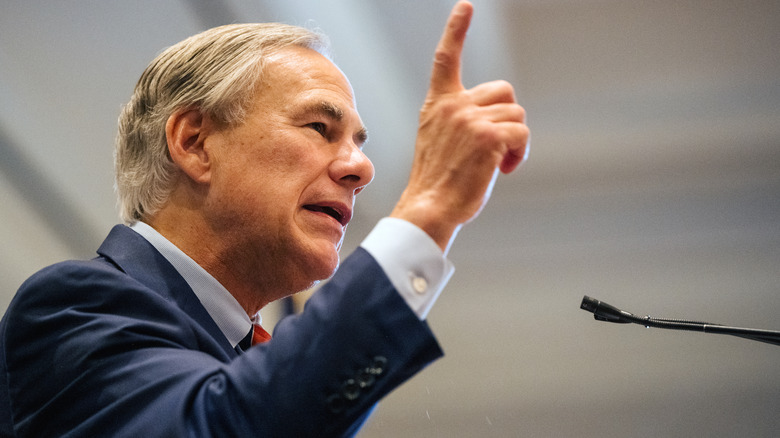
column 217, row 72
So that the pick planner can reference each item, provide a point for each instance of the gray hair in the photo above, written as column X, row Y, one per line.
column 217, row 72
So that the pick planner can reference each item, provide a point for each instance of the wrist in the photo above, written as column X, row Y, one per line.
column 429, row 217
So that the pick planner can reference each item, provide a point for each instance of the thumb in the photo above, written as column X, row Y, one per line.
column 445, row 76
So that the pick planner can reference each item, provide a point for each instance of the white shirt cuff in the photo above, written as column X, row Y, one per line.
column 413, row 262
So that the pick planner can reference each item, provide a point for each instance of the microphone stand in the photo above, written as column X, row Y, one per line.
column 604, row 312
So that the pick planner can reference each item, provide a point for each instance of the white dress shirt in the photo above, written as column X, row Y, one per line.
column 412, row 261
column 223, row 308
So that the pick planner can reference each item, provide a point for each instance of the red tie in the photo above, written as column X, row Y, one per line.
column 259, row 335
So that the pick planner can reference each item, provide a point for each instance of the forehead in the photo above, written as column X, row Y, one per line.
column 299, row 72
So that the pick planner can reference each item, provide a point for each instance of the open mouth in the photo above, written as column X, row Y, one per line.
column 330, row 211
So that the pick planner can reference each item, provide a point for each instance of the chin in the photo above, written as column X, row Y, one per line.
column 321, row 268
column 327, row 270
column 311, row 261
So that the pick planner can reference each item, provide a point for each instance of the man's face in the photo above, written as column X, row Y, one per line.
column 284, row 183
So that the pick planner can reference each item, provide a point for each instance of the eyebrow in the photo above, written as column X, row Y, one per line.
column 334, row 112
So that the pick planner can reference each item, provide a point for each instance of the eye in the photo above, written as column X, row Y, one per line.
column 320, row 127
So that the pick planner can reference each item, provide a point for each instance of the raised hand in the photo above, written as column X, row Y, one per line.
column 465, row 137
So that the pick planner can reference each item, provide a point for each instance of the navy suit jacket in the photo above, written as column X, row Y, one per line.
column 119, row 346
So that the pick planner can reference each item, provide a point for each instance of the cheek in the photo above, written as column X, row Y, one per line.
column 288, row 153
column 262, row 171
column 292, row 171
column 270, row 173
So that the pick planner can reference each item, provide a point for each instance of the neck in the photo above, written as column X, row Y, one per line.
column 191, row 233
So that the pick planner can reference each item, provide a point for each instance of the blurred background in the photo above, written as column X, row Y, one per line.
column 653, row 184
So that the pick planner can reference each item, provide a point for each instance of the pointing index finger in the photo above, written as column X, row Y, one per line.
column 446, row 61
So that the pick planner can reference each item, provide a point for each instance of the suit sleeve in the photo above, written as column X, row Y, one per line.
column 87, row 351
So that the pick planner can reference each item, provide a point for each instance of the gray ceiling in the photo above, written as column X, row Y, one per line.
column 653, row 183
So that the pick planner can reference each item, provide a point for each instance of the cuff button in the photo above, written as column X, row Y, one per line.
column 419, row 284
column 366, row 378
column 336, row 404
column 378, row 367
column 350, row 389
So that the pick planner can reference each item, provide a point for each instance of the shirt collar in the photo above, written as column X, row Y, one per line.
column 220, row 304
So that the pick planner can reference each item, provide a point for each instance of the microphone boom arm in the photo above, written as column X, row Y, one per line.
column 605, row 312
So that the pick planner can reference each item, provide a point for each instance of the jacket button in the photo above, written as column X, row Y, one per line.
column 350, row 389
column 365, row 378
column 378, row 367
column 335, row 403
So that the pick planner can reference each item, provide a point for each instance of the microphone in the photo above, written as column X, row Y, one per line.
column 605, row 312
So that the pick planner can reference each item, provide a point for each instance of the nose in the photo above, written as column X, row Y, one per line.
column 352, row 168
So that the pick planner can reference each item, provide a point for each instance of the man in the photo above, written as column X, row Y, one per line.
column 238, row 160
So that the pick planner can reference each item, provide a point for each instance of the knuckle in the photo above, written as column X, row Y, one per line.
column 504, row 89
column 503, row 84
column 519, row 113
column 448, row 108
column 443, row 58
column 485, row 135
column 464, row 118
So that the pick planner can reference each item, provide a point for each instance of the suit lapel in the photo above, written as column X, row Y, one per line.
column 135, row 256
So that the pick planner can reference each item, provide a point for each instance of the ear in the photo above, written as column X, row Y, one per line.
column 186, row 131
